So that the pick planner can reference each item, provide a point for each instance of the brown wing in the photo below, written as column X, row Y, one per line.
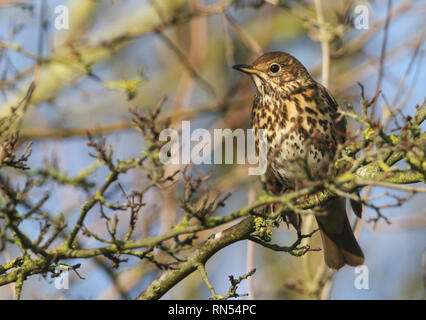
column 339, row 121
column 340, row 125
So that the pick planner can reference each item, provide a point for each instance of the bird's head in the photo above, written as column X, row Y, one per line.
column 276, row 70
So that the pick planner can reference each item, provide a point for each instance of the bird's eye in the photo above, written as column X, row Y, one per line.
column 274, row 68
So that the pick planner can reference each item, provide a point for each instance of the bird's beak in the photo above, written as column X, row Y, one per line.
column 245, row 68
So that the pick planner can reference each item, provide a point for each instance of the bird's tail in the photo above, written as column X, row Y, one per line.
column 340, row 245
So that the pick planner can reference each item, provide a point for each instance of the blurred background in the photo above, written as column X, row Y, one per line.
column 121, row 54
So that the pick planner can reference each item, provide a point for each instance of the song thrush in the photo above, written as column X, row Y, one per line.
column 303, row 129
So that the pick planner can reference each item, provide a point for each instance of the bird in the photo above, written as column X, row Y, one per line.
column 303, row 128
